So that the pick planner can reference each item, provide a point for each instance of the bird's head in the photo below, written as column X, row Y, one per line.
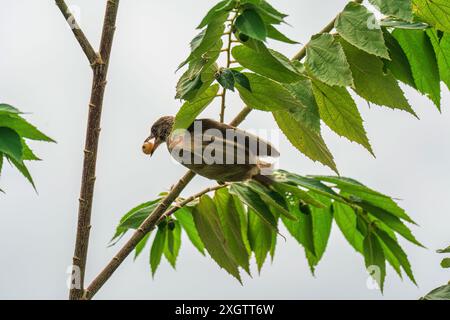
column 159, row 134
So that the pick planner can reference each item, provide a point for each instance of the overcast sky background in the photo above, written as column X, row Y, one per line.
column 44, row 72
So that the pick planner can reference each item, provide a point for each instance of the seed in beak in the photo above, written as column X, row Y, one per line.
column 147, row 148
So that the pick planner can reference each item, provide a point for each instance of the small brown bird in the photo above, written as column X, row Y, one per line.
column 213, row 150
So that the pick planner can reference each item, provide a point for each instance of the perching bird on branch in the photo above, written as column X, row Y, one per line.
column 213, row 150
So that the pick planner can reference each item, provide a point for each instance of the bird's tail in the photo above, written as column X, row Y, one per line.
column 265, row 180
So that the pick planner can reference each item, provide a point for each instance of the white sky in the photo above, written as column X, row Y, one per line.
column 43, row 71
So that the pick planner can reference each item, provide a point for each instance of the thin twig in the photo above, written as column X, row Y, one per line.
column 187, row 201
column 91, row 146
column 327, row 29
column 228, row 51
column 92, row 56
column 156, row 215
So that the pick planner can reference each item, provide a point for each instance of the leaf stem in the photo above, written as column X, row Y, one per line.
column 228, row 52
column 187, row 201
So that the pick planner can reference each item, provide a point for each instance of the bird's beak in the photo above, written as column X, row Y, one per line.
column 150, row 145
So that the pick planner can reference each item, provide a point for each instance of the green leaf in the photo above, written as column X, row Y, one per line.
column 307, row 141
column 184, row 217
column 399, row 64
column 434, row 12
column 339, row 111
column 242, row 80
column 441, row 293
column 359, row 190
column 268, row 197
column 270, row 12
column 390, row 221
column 207, row 39
column 157, row 249
column 22, row 169
column 173, row 242
column 401, row 24
column 254, row 201
column 264, row 63
column 190, row 110
column 396, row 8
column 136, row 216
column 322, row 219
column 273, row 245
column 22, row 127
column 371, row 81
column 345, row 218
column 267, row 95
column 260, row 237
column 6, row 108
column 397, row 251
column 390, row 257
column 326, row 61
column 288, row 190
column 210, row 230
column 302, row 228
column 232, row 227
column 309, row 114
column 226, row 79
column 445, row 263
column 446, row 250
column 374, row 258
column 141, row 246
column 307, row 183
column 199, row 76
column 274, row 33
column 10, row 143
column 353, row 24
column 419, row 50
column 218, row 10
column 251, row 24
column 243, row 217
column 28, row 154
column 441, row 47
column 123, row 226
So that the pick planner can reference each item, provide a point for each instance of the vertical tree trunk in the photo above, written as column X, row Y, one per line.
column 100, row 71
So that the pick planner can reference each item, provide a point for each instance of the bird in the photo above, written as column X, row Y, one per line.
column 214, row 150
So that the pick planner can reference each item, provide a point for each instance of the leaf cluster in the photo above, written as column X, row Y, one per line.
column 411, row 45
column 244, row 220
column 14, row 133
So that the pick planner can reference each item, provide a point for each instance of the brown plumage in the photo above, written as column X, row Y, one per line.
column 213, row 150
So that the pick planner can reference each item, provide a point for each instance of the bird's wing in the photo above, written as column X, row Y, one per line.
column 240, row 138
column 210, row 147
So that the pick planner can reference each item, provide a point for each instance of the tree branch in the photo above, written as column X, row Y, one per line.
column 159, row 212
column 187, row 201
column 92, row 56
column 91, row 146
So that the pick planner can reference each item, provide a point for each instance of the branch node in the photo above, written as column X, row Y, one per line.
column 98, row 61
